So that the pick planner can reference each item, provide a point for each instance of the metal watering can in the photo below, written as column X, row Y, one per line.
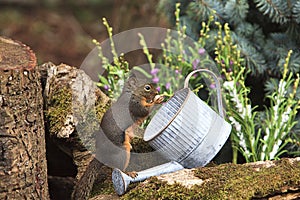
column 185, row 130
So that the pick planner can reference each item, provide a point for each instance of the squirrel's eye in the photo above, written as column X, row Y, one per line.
column 147, row 88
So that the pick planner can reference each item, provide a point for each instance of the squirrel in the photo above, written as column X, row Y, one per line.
column 124, row 117
column 116, row 131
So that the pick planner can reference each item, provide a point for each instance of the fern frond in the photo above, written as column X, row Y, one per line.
column 277, row 10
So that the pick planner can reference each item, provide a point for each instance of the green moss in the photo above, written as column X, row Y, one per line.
column 104, row 184
column 227, row 181
column 59, row 107
column 104, row 187
column 101, row 108
column 155, row 189
column 243, row 181
column 140, row 146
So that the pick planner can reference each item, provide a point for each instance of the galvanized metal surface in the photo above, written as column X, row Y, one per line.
column 186, row 129
column 121, row 180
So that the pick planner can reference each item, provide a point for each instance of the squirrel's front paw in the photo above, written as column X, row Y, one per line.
column 132, row 174
column 158, row 99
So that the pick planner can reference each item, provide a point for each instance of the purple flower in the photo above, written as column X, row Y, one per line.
column 195, row 63
column 155, row 80
column 230, row 62
column 158, row 88
column 154, row 71
column 212, row 86
column 168, row 85
column 201, row 51
column 106, row 87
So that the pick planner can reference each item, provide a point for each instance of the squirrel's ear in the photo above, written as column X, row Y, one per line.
column 131, row 82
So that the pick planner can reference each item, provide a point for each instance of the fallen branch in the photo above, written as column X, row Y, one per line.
column 260, row 180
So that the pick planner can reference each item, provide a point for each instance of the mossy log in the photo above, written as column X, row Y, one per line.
column 74, row 107
column 260, row 180
column 23, row 167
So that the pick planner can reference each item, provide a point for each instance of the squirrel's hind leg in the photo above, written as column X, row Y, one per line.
column 129, row 134
column 127, row 146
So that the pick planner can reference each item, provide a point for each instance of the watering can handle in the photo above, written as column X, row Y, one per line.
column 219, row 96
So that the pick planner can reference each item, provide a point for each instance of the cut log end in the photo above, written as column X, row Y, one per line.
column 15, row 56
column 23, row 167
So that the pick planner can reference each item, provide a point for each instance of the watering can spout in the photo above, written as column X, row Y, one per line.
column 122, row 180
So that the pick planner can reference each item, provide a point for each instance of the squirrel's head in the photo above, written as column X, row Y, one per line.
column 142, row 91
column 147, row 91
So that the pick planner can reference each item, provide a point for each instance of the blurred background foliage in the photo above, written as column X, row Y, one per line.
column 62, row 31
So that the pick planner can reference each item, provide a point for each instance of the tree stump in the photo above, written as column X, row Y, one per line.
column 23, row 167
column 74, row 107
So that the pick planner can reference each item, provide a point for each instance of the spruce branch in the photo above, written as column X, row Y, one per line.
column 201, row 10
column 236, row 11
column 277, row 10
column 296, row 12
column 255, row 61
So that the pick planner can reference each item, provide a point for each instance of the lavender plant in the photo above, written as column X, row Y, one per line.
column 266, row 137
column 117, row 71
column 177, row 60
column 257, row 135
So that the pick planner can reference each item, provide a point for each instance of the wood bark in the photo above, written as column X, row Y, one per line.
column 74, row 107
column 23, row 167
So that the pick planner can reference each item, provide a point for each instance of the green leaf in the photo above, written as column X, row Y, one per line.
column 103, row 80
column 144, row 72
